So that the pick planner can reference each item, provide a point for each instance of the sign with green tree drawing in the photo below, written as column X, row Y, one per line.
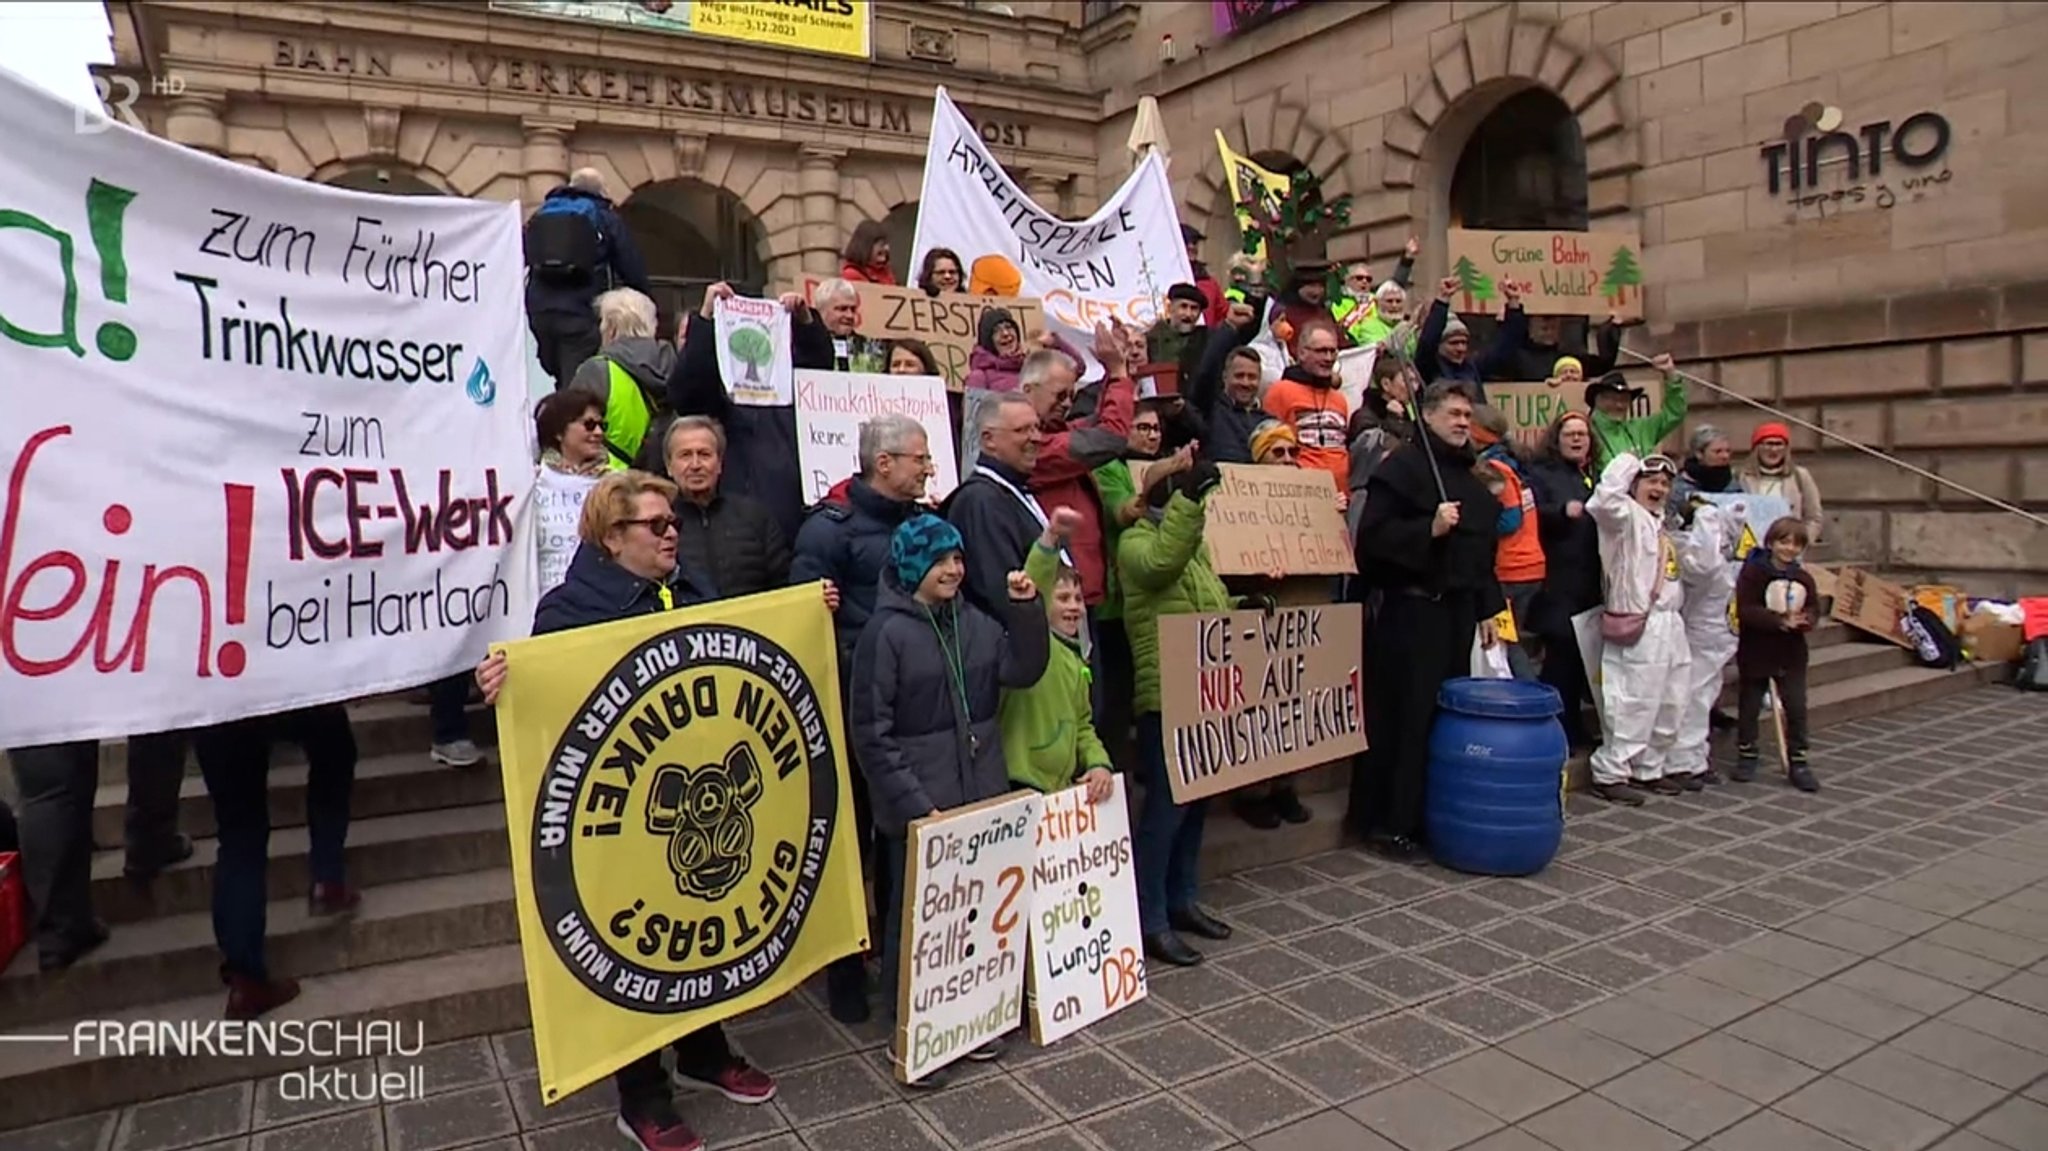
column 751, row 346
column 1591, row 274
column 1475, row 286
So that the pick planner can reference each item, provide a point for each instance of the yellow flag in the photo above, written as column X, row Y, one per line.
column 1249, row 182
column 682, row 823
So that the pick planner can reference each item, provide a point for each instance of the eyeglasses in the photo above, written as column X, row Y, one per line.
column 1144, row 429
column 658, row 525
column 591, row 424
column 923, row 460
column 1329, row 351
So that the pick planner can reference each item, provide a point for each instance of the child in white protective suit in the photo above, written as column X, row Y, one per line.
column 1706, row 552
column 1644, row 657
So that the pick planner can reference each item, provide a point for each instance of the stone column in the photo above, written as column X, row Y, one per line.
column 1044, row 190
column 194, row 120
column 546, row 157
column 817, row 179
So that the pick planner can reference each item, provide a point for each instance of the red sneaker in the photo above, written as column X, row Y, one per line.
column 332, row 899
column 251, row 998
column 738, row 1081
column 660, row 1130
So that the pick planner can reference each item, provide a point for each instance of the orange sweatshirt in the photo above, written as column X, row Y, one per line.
column 1319, row 417
column 1518, row 558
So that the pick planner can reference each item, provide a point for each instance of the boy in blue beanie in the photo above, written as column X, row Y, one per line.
column 927, row 681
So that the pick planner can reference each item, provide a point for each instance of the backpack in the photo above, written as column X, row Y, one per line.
column 1932, row 641
column 564, row 240
column 2033, row 673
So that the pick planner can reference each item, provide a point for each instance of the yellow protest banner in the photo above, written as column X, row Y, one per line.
column 1251, row 185
column 682, row 824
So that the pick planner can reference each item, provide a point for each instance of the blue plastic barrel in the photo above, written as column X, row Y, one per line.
column 1496, row 777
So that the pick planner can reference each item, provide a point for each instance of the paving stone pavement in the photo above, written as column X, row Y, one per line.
column 1746, row 969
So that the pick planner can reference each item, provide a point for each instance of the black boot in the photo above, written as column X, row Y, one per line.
column 1256, row 810
column 1745, row 763
column 1801, row 775
column 1287, row 804
column 1620, row 793
column 1171, row 949
column 846, row 989
column 1195, row 921
column 1396, row 848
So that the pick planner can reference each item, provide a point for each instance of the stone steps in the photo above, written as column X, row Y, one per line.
column 385, row 725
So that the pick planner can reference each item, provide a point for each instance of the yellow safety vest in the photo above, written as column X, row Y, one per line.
column 626, row 417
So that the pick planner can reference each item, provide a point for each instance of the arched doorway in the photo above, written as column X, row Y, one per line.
column 693, row 235
column 388, row 181
column 901, row 224
column 1522, row 165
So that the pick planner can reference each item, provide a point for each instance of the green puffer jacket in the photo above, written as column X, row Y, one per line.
column 1164, row 568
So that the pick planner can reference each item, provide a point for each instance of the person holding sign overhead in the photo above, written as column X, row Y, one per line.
column 762, row 438
column 1164, row 567
column 1426, row 567
column 1444, row 349
column 928, row 677
column 1611, row 399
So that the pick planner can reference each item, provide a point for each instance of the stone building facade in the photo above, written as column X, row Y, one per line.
column 733, row 161
column 1898, row 297
column 1895, row 291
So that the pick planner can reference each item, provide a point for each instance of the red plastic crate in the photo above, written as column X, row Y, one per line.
column 13, row 908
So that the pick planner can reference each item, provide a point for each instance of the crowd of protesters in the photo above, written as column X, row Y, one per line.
column 1028, row 605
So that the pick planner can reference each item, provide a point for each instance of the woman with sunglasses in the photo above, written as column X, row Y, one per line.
column 570, row 427
column 626, row 566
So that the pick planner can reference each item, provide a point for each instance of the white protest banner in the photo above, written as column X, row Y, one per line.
column 966, row 899
column 1087, row 948
column 1117, row 263
column 1354, row 373
column 831, row 407
column 557, row 509
column 753, row 350
column 264, row 443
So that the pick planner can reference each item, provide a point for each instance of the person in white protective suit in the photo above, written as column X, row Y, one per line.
column 1644, row 657
column 1706, row 553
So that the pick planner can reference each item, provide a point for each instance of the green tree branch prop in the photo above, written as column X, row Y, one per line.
column 1291, row 223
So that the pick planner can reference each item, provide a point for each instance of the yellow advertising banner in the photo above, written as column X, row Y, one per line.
column 833, row 27
column 1594, row 274
column 683, row 850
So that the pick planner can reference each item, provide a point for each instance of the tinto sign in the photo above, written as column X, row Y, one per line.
column 1920, row 141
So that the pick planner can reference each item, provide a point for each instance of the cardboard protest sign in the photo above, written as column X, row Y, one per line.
column 966, row 902
column 1595, row 274
column 1087, row 948
column 1249, row 695
column 1532, row 407
column 1118, row 263
column 557, row 510
column 949, row 324
column 681, row 817
column 264, row 443
column 1871, row 605
column 753, row 350
column 831, row 406
column 1262, row 518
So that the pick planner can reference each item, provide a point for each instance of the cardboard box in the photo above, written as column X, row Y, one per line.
column 1990, row 641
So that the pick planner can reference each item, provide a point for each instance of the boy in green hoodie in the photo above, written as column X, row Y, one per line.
column 1049, row 740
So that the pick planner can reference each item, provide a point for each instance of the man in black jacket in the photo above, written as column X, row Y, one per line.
column 561, row 294
column 1224, row 391
column 763, row 437
column 1536, row 357
column 849, row 544
column 730, row 536
column 1425, row 562
column 993, row 508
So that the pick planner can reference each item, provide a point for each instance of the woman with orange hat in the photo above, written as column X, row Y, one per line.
column 1771, row 472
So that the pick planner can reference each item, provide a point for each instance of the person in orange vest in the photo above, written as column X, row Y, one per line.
column 1518, row 557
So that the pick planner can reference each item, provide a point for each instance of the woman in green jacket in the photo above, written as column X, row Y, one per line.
column 1164, row 570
